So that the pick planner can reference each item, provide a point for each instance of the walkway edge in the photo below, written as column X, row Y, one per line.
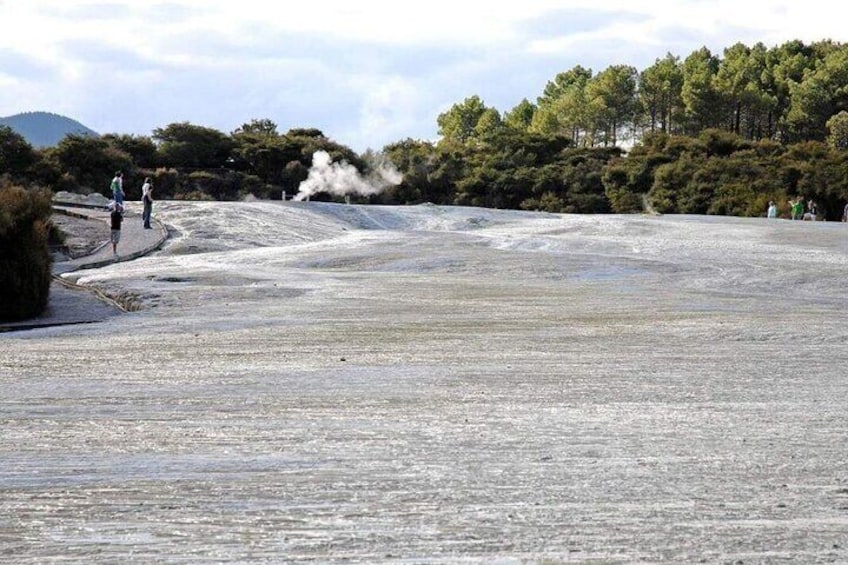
column 64, row 267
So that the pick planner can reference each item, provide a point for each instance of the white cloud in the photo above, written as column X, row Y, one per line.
column 367, row 73
column 389, row 105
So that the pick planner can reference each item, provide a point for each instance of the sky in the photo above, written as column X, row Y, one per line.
column 365, row 73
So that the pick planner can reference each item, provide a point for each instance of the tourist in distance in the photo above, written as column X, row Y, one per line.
column 117, row 187
column 116, row 218
column 147, row 201
column 772, row 209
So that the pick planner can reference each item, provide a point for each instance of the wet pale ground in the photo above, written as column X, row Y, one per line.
column 328, row 383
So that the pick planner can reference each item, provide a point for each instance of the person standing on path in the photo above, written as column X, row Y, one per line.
column 772, row 210
column 798, row 209
column 118, row 188
column 116, row 218
column 147, row 200
column 813, row 208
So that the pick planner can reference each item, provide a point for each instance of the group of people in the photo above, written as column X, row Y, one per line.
column 796, row 209
column 117, row 207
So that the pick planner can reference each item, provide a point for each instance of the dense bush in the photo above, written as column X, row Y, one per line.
column 723, row 174
column 87, row 164
column 16, row 154
column 25, row 265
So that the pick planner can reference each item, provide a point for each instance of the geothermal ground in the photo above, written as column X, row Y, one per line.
column 311, row 382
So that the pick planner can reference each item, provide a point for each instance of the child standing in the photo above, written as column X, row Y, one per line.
column 116, row 217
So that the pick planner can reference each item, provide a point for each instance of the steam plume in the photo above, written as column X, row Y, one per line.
column 342, row 179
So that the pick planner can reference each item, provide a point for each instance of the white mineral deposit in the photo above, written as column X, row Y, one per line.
column 314, row 382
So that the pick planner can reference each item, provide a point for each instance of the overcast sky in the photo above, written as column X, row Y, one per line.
column 366, row 73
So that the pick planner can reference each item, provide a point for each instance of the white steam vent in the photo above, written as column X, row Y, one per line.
column 343, row 179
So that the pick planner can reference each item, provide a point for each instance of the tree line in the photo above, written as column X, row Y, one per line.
column 706, row 135
column 185, row 161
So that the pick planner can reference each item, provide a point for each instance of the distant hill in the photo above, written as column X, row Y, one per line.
column 43, row 129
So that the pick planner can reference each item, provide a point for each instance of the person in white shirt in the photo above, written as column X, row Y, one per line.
column 147, row 200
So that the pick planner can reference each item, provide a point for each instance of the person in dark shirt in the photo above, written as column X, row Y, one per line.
column 813, row 210
column 117, row 217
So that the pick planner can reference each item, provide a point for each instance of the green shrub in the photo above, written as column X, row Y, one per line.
column 25, row 264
